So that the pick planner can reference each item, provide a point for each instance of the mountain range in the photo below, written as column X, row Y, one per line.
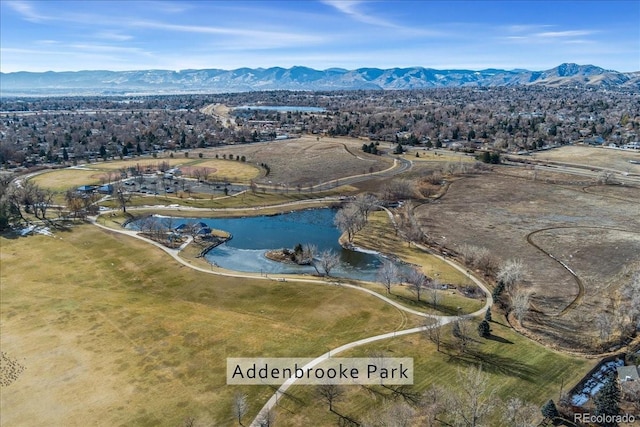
column 301, row 78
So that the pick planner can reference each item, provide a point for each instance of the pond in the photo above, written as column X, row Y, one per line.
column 282, row 108
column 254, row 236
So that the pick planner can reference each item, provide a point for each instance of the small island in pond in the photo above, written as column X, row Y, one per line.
column 300, row 255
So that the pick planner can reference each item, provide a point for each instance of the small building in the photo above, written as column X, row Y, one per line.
column 105, row 189
column 628, row 373
column 199, row 228
column 86, row 189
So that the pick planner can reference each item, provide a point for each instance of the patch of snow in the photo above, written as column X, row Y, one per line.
column 33, row 229
column 363, row 250
column 27, row 230
column 595, row 383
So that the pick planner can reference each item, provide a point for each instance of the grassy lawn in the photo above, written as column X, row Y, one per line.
column 379, row 235
column 230, row 170
column 64, row 179
column 142, row 162
column 144, row 339
column 516, row 366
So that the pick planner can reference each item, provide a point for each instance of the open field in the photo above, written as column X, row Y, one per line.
column 437, row 156
column 98, row 173
column 599, row 157
column 594, row 234
column 225, row 170
column 144, row 339
column 64, row 179
column 307, row 160
column 143, row 162
column 516, row 366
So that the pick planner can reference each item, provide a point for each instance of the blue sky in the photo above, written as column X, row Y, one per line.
column 175, row 35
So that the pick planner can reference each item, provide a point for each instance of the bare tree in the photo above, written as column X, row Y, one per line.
column 267, row 419
column 240, row 406
column 631, row 392
column 520, row 302
column 330, row 393
column 349, row 220
column 434, row 292
column 605, row 177
column 397, row 189
column 43, row 199
column 520, row 414
column 472, row 402
column 628, row 312
column 396, row 414
column 122, row 196
column 417, row 282
column 388, row 275
column 307, row 256
column 479, row 257
column 328, row 259
column 604, row 323
column 431, row 405
column 461, row 331
column 434, row 334
column 366, row 202
column 510, row 273
column 409, row 224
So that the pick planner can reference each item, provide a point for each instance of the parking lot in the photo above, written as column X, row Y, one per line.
column 165, row 185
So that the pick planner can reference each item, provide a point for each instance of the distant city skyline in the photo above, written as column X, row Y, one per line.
column 176, row 35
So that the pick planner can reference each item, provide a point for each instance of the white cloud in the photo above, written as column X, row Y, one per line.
column 27, row 11
column 112, row 35
column 562, row 34
column 350, row 7
column 259, row 37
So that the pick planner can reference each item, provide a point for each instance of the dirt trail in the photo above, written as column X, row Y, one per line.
column 581, row 289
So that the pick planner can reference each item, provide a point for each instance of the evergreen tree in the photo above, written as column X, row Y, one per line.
column 499, row 289
column 607, row 400
column 65, row 155
column 487, row 315
column 484, row 330
column 549, row 410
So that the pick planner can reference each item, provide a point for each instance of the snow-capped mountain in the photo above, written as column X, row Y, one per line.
column 300, row 78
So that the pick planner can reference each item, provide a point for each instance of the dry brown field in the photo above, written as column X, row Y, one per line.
column 591, row 157
column 114, row 332
column 142, row 162
column 307, row 160
column 225, row 170
column 594, row 230
column 62, row 180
